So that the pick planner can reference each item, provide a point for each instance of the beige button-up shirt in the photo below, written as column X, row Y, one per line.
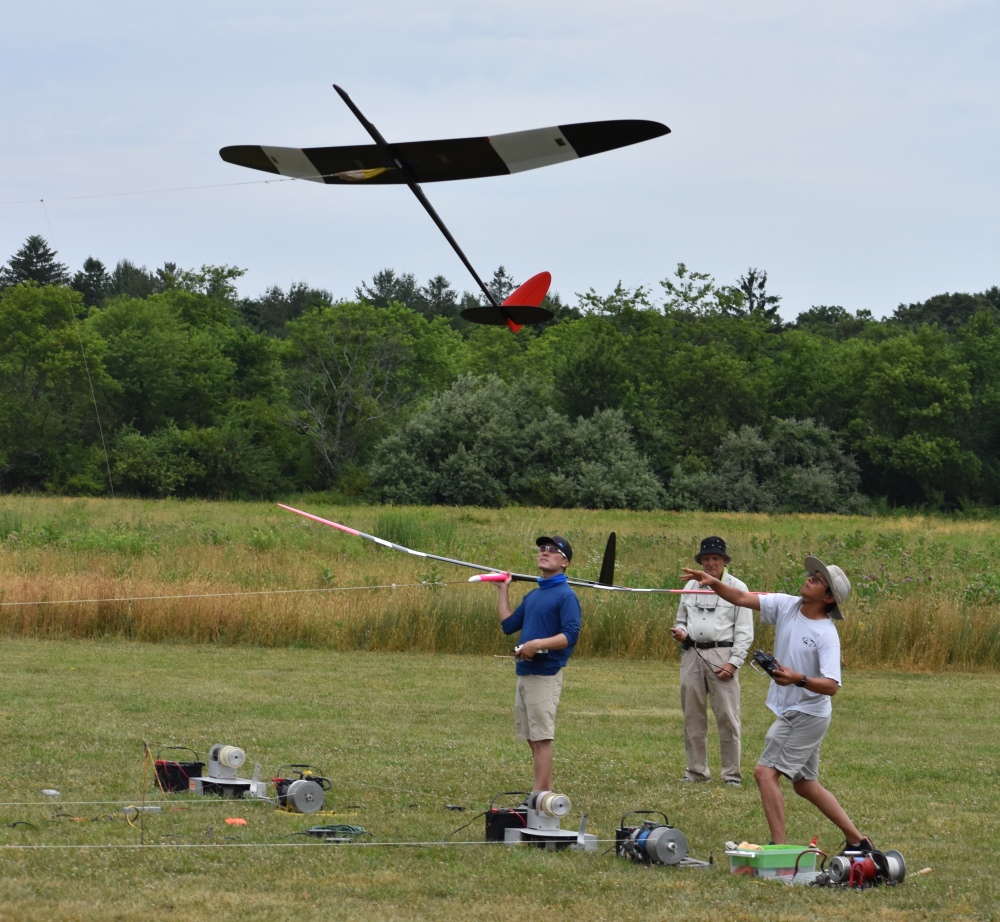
column 709, row 619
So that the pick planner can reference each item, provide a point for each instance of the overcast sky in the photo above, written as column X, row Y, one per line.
column 849, row 149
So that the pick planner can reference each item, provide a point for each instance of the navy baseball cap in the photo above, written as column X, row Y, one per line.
column 557, row 541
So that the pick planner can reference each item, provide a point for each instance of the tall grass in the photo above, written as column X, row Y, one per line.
column 926, row 591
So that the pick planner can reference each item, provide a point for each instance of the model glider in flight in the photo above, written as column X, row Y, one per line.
column 414, row 162
column 490, row 574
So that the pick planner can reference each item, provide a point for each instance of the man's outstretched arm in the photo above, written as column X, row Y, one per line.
column 729, row 593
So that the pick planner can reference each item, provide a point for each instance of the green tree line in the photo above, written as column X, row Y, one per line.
column 692, row 396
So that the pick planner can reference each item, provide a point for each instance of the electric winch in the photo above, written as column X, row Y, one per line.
column 863, row 868
column 536, row 820
column 304, row 793
column 650, row 842
column 221, row 777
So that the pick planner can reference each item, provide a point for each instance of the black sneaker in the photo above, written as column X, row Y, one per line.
column 865, row 845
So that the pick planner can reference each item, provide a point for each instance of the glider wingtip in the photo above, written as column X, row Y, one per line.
column 251, row 156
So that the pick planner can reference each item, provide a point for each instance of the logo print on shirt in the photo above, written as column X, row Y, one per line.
column 809, row 642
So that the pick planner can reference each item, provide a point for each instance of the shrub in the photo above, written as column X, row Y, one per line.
column 799, row 467
column 486, row 443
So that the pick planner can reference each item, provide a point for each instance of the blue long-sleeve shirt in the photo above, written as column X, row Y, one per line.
column 551, row 609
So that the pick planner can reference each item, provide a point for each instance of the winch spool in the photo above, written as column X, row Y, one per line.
column 895, row 866
column 663, row 844
column 304, row 796
column 231, row 756
column 549, row 803
column 651, row 842
column 223, row 761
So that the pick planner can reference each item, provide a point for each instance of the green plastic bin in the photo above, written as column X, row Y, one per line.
column 772, row 860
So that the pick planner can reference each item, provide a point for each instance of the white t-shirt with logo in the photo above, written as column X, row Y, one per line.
column 804, row 645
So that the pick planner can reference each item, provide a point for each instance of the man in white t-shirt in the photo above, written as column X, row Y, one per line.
column 807, row 649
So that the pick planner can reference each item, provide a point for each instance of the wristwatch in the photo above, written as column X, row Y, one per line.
column 802, row 682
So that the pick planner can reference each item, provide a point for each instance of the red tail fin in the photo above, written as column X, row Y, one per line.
column 530, row 294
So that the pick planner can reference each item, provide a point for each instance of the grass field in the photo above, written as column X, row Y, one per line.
column 199, row 623
column 913, row 757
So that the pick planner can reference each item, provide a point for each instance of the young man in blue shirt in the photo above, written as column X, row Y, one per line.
column 549, row 621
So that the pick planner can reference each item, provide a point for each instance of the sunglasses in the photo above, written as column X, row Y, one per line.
column 817, row 578
column 550, row 549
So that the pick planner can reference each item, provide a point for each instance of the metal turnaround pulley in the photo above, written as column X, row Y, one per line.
column 650, row 842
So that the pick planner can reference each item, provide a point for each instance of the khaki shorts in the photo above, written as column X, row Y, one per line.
column 792, row 745
column 536, row 698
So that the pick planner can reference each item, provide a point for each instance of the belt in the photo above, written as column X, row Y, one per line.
column 714, row 643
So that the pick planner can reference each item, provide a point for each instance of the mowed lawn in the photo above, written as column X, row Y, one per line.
column 913, row 757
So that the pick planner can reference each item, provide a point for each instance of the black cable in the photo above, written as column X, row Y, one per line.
column 709, row 663
column 468, row 824
column 340, row 830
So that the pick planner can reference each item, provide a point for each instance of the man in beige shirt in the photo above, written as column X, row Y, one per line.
column 716, row 636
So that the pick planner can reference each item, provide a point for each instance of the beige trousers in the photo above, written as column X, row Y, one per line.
column 699, row 686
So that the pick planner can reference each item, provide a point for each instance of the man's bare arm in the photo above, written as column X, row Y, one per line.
column 819, row 685
column 531, row 647
column 503, row 599
column 729, row 593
